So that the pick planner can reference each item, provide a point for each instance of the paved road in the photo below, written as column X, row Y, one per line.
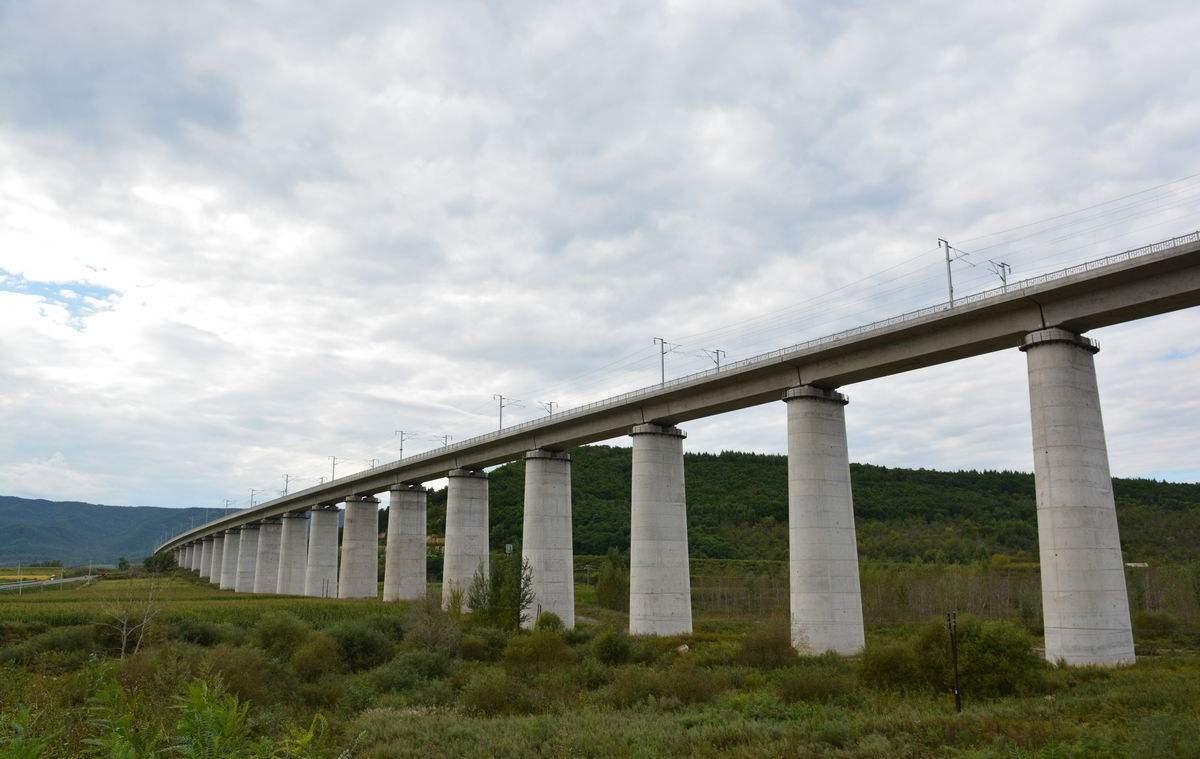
column 45, row 583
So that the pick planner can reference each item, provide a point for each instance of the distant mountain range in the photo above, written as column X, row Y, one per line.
column 78, row 533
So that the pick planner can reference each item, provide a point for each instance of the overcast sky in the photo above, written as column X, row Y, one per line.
column 237, row 239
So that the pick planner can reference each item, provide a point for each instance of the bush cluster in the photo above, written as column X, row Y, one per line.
column 995, row 659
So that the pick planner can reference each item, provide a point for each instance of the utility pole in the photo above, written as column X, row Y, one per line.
column 662, row 358
column 1001, row 270
column 943, row 243
column 403, row 435
column 501, row 400
column 252, row 492
column 550, row 406
column 372, row 463
column 332, row 468
column 446, row 441
column 716, row 354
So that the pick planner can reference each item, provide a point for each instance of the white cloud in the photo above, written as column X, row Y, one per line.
column 293, row 234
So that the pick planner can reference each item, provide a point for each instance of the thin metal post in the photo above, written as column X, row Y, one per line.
column 952, row 628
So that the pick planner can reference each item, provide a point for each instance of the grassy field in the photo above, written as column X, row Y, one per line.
column 218, row 674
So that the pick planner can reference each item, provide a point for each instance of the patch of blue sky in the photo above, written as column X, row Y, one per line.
column 78, row 298
column 1178, row 354
column 1174, row 475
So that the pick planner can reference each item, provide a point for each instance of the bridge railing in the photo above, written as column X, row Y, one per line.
column 769, row 356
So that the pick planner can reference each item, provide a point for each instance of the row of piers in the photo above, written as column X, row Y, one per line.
column 1084, row 599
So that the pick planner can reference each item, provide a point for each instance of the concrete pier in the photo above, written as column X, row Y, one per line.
column 1085, row 608
column 660, row 600
column 293, row 554
column 266, row 567
column 404, row 574
column 206, row 557
column 321, row 571
column 247, row 558
column 466, row 550
column 189, row 556
column 359, row 573
column 826, row 598
column 546, row 535
column 229, row 558
column 218, row 553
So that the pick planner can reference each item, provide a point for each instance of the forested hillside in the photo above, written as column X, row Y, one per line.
column 737, row 509
column 77, row 533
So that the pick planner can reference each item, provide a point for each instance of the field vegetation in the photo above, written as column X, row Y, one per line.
column 212, row 673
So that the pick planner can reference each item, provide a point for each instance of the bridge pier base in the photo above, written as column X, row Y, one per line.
column 660, row 598
column 546, row 535
column 206, row 557
column 826, row 597
column 404, row 574
column 229, row 558
column 359, row 576
column 466, row 549
column 217, row 562
column 321, row 571
column 266, row 565
column 190, row 557
column 247, row 558
column 1085, row 608
column 293, row 554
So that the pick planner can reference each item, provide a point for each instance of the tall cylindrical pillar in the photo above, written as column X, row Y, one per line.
column 1085, row 608
column 194, row 557
column 660, row 599
column 217, row 563
column 321, row 571
column 247, row 558
column 359, row 575
column 546, row 535
column 266, row 567
column 826, row 598
column 293, row 554
column 229, row 558
column 206, row 546
column 466, row 549
column 404, row 560
column 189, row 553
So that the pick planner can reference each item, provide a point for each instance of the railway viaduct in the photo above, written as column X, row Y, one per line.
column 289, row 545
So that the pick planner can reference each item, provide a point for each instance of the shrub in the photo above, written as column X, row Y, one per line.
column 492, row 691
column 245, row 672
column 611, row 646
column 1154, row 624
column 362, row 646
column 819, row 684
column 891, row 665
column 540, row 648
column 409, row 669
column 433, row 629
column 998, row 659
column 323, row 692
column 192, row 630
column 483, row 644
column 15, row 632
column 683, row 682
column 280, row 634
column 502, row 596
column 995, row 659
column 550, row 622
column 612, row 584
column 769, row 644
column 1166, row 735
column 317, row 656
column 80, row 638
column 211, row 723
column 393, row 624
column 160, row 670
